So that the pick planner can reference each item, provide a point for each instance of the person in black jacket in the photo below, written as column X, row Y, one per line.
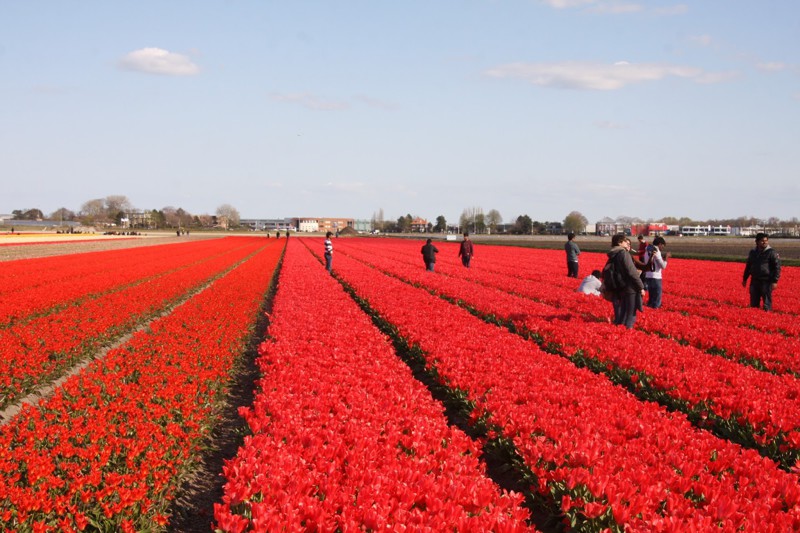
column 429, row 252
column 627, row 299
column 764, row 270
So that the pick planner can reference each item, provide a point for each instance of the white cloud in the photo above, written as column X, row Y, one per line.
column 616, row 8
column 772, row 66
column 590, row 76
column 609, row 125
column 562, row 4
column 677, row 9
column 374, row 102
column 348, row 187
column 158, row 61
column 702, row 40
column 309, row 101
column 709, row 78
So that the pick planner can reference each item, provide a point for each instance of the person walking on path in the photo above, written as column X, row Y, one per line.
column 572, row 256
column 466, row 251
column 429, row 252
column 627, row 298
column 764, row 270
column 328, row 252
column 655, row 261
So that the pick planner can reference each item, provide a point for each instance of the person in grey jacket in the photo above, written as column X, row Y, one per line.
column 628, row 299
column 572, row 256
column 764, row 270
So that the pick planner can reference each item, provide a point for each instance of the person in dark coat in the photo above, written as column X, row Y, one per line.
column 628, row 299
column 764, row 270
column 429, row 252
column 466, row 251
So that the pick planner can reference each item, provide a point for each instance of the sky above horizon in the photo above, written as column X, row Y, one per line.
column 339, row 109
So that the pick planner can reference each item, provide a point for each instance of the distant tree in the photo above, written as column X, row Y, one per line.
column 469, row 219
column 493, row 219
column 115, row 204
column 538, row 228
column 575, row 222
column 158, row 219
column 62, row 214
column 27, row 214
column 441, row 224
column 404, row 223
column 230, row 213
column 93, row 212
column 522, row 226
column 378, row 221
column 429, row 227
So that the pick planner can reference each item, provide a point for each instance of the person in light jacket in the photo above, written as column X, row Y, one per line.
column 655, row 261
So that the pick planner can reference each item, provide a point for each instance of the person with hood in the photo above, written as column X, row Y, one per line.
column 627, row 298
column 429, row 252
column 764, row 270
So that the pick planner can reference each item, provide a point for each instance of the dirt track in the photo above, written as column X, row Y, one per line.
column 30, row 247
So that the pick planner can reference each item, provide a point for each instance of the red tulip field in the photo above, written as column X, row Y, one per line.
column 494, row 398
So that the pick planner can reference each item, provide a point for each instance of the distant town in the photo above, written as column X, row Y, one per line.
column 117, row 214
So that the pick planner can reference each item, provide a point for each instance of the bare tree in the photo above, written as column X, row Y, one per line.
column 493, row 219
column 230, row 213
column 469, row 219
column 93, row 212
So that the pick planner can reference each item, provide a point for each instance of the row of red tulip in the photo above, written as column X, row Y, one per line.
column 607, row 457
column 751, row 405
column 344, row 438
column 39, row 286
column 38, row 350
column 107, row 451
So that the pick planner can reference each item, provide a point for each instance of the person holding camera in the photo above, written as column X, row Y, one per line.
column 655, row 261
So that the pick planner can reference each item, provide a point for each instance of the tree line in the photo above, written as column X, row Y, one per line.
column 119, row 211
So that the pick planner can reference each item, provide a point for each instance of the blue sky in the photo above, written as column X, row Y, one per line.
column 341, row 108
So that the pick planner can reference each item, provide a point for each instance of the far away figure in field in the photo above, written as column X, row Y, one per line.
column 764, row 270
column 572, row 255
column 466, row 251
column 429, row 252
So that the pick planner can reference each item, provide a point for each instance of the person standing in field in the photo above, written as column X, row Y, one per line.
column 628, row 289
column 572, row 256
column 429, row 252
column 764, row 270
column 466, row 251
column 655, row 261
column 328, row 252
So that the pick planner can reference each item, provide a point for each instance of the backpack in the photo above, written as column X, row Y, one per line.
column 612, row 277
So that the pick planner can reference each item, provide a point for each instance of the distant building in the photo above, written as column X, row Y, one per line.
column 267, row 224
column 308, row 224
column 419, row 225
column 650, row 229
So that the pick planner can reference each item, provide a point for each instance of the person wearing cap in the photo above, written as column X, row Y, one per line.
column 429, row 252
column 764, row 270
